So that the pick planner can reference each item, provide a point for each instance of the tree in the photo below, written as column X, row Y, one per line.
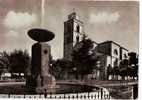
column 133, row 59
column 83, row 57
column 115, row 72
column 123, row 68
column 4, row 62
column 133, row 63
column 129, row 67
column 19, row 61
column 61, row 68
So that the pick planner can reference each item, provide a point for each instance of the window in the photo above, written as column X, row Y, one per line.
column 78, row 28
column 115, row 52
column 125, row 56
column 77, row 38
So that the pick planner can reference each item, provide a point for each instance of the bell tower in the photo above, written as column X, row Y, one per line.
column 73, row 29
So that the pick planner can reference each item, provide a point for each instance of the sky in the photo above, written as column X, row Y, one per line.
column 103, row 20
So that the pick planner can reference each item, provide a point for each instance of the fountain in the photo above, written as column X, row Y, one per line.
column 41, row 81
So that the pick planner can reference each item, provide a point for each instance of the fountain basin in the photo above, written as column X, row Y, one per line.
column 41, row 35
column 59, row 89
column 62, row 90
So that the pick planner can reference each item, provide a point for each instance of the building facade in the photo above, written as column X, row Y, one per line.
column 73, row 30
column 109, row 53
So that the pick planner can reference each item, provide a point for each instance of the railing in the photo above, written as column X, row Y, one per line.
column 88, row 95
column 100, row 82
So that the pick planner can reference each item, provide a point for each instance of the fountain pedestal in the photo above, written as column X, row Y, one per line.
column 41, row 80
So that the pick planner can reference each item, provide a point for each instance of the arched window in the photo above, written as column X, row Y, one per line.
column 115, row 52
column 77, row 28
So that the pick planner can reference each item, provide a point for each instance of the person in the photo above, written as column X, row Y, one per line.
column 108, row 71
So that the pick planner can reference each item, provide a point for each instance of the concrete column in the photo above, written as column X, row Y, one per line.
column 40, row 68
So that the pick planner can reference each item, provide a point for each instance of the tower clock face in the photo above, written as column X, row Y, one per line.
column 72, row 16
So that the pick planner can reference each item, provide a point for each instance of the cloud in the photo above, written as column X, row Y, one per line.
column 15, row 20
column 104, row 17
column 12, row 34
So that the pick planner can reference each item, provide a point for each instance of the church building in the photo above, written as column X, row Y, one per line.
column 108, row 53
